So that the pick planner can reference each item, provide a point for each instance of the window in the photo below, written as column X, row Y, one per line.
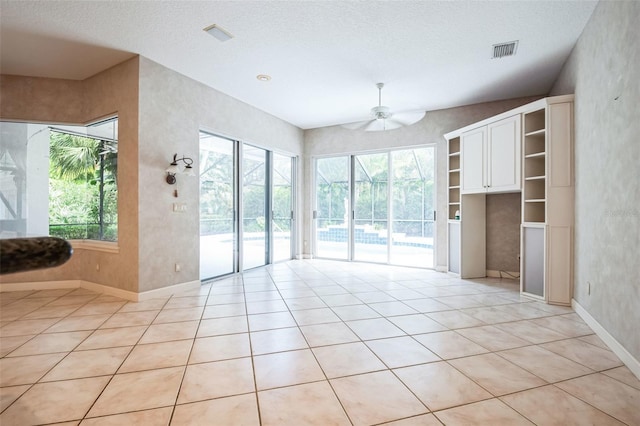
column 73, row 168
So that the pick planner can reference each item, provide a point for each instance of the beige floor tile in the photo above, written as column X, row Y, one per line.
column 9, row 394
column 221, row 326
column 404, row 294
column 308, row 404
column 73, row 300
column 490, row 315
column 423, row 420
column 329, row 290
column 266, row 306
column 286, row 368
column 157, row 355
column 145, row 305
column 216, row 348
column 328, row 334
column 186, row 302
column 624, row 375
column 155, row 417
column 96, row 362
column 565, row 326
column 94, row 308
column 305, row 303
column 531, row 332
column 90, row 322
column 130, row 319
column 179, row 315
column 296, row 293
column 374, row 296
column 440, row 386
column 225, row 299
column 401, row 352
column 522, row 311
column 390, row 309
column 315, row 316
column 591, row 356
column 347, row 359
column 449, row 344
column 50, row 312
column 50, row 343
column 355, row 312
column 260, row 296
column 490, row 412
column 461, row 302
column 170, row 331
column 495, row 374
column 549, row 405
column 139, row 391
column 375, row 398
column 377, row 328
column 270, row 321
column 227, row 310
column 282, row 339
column 9, row 344
column 113, row 337
column 217, row 379
column 346, row 299
column 233, row 410
column 54, row 402
column 455, row 319
column 492, row 338
column 417, row 324
column 26, row 327
column 606, row 394
column 595, row 340
column 544, row 364
column 27, row 369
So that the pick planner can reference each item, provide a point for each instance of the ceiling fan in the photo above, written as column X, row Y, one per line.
column 384, row 119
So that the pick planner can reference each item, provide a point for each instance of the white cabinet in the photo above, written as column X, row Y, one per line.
column 490, row 158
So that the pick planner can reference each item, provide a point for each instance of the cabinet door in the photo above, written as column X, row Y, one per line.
column 473, row 159
column 503, row 154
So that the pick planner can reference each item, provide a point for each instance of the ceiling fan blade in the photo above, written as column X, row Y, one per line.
column 407, row 118
column 375, row 126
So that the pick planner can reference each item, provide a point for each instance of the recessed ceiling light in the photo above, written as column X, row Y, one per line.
column 218, row 32
column 263, row 77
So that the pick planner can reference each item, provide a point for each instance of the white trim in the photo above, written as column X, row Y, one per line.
column 441, row 268
column 95, row 245
column 624, row 355
column 43, row 285
column 101, row 288
column 304, row 256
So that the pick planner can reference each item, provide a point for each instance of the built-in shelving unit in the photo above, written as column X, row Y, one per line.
column 534, row 166
column 454, row 178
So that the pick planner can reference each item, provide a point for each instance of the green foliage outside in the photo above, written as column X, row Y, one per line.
column 82, row 169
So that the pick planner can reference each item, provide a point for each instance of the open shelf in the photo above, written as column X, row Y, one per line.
column 534, row 166
column 534, row 211
column 534, row 189
column 454, row 177
column 534, row 121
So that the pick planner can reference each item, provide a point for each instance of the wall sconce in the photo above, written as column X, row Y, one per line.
column 173, row 168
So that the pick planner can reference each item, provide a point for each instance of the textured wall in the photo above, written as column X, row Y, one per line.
column 173, row 108
column 503, row 232
column 429, row 130
column 113, row 91
column 603, row 72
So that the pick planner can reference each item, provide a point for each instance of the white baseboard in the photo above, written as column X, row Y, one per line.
column 305, row 256
column 624, row 355
column 101, row 288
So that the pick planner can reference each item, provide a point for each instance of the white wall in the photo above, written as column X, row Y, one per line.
column 603, row 71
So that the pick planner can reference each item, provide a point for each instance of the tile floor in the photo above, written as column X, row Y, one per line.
column 308, row 342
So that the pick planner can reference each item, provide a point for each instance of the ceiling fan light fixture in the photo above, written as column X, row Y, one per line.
column 381, row 112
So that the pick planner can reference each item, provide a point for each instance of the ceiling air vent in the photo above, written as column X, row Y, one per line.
column 504, row 49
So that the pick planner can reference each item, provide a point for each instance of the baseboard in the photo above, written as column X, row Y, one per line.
column 503, row 274
column 101, row 288
column 305, row 256
column 39, row 285
column 624, row 355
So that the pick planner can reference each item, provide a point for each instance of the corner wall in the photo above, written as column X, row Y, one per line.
column 603, row 71
column 337, row 140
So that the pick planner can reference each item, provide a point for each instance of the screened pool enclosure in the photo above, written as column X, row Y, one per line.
column 376, row 207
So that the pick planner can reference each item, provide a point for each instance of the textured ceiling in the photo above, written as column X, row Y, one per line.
column 324, row 57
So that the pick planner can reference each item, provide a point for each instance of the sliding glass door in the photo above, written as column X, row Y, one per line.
column 217, row 206
column 377, row 207
column 246, row 205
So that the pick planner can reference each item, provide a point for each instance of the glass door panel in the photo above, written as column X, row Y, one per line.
column 282, row 206
column 254, row 207
column 217, row 207
column 413, row 204
column 332, row 207
column 371, row 174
